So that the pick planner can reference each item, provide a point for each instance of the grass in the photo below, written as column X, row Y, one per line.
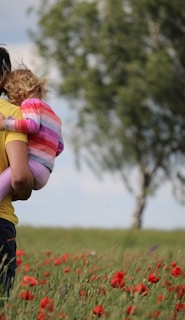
column 83, row 274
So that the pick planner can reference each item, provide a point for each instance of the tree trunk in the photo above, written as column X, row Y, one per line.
column 141, row 199
column 138, row 213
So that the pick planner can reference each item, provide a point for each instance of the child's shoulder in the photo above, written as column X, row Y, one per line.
column 35, row 103
column 31, row 100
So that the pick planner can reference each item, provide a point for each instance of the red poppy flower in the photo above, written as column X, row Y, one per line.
column 159, row 265
column 156, row 314
column 118, row 280
column 141, row 289
column 78, row 271
column 99, row 310
column 61, row 259
column 161, row 298
column 46, row 274
column 129, row 309
column 31, row 281
column 57, row 262
column 26, row 295
column 180, row 307
column 48, row 252
column 179, row 289
column 20, row 253
column 152, row 278
column 132, row 309
column 153, row 314
column 83, row 293
column 47, row 261
column 42, row 316
column 26, row 267
column 18, row 262
column 176, row 271
column 47, row 303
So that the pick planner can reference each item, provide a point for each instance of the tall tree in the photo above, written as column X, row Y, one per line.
column 122, row 68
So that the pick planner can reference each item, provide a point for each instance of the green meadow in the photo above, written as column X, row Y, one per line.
column 83, row 274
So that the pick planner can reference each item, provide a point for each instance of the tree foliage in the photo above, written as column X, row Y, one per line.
column 122, row 67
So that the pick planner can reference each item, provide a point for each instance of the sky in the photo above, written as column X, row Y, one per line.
column 75, row 198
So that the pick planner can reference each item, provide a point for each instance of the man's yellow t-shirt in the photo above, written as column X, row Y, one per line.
column 7, row 109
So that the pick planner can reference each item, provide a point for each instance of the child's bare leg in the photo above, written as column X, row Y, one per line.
column 5, row 183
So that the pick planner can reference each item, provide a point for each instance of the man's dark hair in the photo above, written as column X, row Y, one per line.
column 5, row 67
column 5, row 63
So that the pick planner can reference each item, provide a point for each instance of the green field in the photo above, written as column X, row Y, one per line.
column 87, row 274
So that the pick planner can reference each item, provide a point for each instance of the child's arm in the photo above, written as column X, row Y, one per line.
column 27, row 125
column 31, row 122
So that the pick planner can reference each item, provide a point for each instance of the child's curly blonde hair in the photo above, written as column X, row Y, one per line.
column 22, row 84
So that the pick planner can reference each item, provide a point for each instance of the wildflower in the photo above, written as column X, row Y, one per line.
column 83, row 293
column 159, row 265
column 118, row 280
column 31, row 281
column 174, row 263
column 57, row 261
column 179, row 289
column 153, row 314
column 141, row 289
column 152, row 278
column 42, row 315
column 47, row 303
column 46, row 274
column 99, row 310
column 18, row 262
column 176, row 271
column 67, row 269
column 132, row 309
column 129, row 309
column 152, row 249
column 161, row 298
column 26, row 267
column 78, row 271
column 26, row 295
column 180, row 307
column 61, row 259
column 47, row 252
column 156, row 314
column 20, row 253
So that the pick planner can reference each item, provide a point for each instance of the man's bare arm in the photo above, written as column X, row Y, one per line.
column 22, row 178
